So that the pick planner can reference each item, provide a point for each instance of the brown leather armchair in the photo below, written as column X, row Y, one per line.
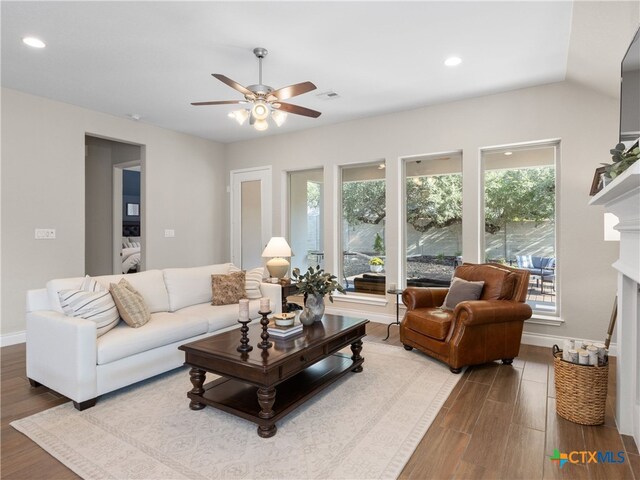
column 475, row 332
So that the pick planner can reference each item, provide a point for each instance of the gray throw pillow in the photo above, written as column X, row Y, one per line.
column 461, row 291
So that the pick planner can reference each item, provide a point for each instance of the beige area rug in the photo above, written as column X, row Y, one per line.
column 364, row 426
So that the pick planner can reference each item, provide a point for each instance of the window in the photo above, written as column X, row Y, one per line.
column 306, row 218
column 519, row 216
column 363, row 219
column 433, row 214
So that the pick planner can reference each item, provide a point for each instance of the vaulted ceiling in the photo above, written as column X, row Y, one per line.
column 153, row 58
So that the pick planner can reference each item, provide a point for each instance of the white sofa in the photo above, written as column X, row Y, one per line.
column 65, row 354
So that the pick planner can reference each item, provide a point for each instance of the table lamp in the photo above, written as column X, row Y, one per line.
column 277, row 248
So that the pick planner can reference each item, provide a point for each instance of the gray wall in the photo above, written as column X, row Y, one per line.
column 586, row 124
column 43, row 180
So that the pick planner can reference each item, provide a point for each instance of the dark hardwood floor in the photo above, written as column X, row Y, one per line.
column 498, row 423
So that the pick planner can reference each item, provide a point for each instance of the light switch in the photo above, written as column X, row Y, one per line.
column 169, row 233
column 45, row 234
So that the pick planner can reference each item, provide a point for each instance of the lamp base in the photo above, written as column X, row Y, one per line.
column 278, row 267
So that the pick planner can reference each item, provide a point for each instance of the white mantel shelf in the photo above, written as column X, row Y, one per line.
column 622, row 198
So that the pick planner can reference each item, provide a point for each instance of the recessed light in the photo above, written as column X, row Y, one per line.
column 508, row 153
column 453, row 61
column 34, row 42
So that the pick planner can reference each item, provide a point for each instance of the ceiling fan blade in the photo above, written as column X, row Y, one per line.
column 293, row 90
column 222, row 102
column 298, row 110
column 233, row 84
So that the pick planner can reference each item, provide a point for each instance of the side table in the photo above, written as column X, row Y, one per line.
column 397, row 293
column 288, row 289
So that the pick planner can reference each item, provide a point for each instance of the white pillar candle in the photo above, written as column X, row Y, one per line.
column 593, row 355
column 265, row 305
column 583, row 357
column 244, row 309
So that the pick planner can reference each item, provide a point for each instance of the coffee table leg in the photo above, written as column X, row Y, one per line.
column 356, row 348
column 197, row 380
column 266, row 399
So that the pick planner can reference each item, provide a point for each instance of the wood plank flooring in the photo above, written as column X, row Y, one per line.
column 498, row 423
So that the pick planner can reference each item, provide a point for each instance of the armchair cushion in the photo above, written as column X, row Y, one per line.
column 432, row 322
column 498, row 282
column 460, row 291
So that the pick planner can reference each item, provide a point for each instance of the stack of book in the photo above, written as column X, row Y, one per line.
column 276, row 331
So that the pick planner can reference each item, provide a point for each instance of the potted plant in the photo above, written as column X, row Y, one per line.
column 622, row 159
column 376, row 264
column 315, row 283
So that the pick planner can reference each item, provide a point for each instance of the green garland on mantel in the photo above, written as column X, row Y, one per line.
column 622, row 159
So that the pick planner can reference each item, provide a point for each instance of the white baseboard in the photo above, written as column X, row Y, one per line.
column 543, row 340
column 12, row 338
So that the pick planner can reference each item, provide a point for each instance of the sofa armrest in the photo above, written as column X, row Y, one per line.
column 273, row 291
column 480, row 312
column 421, row 297
column 62, row 353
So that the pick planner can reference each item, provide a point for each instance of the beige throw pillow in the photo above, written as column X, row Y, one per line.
column 227, row 289
column 130, row 304
column 461, row 291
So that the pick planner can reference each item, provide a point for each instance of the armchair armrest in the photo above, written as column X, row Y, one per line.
column 421, row 297
column 480, row 312
column 62, row 353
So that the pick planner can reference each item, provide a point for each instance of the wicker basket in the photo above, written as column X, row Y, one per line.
column 581, row 390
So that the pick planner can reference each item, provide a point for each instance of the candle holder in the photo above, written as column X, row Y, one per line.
column 265, row 343
column 244, row 346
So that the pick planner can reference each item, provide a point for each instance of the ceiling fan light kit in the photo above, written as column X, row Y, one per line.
column 263, row 101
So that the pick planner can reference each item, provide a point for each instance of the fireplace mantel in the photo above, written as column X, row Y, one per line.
column 622, row 198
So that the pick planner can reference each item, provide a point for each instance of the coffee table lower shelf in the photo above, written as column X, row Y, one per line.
column 241, row 399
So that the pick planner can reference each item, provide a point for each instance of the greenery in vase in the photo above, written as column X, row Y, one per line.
column 316, row 282
column 621, row 159
column 376, row 261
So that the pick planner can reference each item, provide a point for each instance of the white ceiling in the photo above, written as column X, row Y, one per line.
column 154, row 58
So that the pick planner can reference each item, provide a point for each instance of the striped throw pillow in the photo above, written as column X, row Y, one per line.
column 92, row 302
column 130, row 304
column 253, row 279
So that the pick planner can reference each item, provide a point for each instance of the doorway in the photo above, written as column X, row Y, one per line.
column 250, row 215
column 114, row 183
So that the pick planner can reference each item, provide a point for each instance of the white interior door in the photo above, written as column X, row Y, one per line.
column 250, row 215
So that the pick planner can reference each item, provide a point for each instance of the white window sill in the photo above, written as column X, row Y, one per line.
column 541, row 319
column 379, row 300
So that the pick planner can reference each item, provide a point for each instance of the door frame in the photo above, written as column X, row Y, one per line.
column 236, row 177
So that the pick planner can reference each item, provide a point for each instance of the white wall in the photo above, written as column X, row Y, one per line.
column 43, row 186
column 585, row 122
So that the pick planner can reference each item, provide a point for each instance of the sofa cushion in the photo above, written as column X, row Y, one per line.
column 227, row 289
column 498, row 282
column 432, row 322
column 130, row 304
column 461, row 291
column 219, row 316
column 163, row 328
column 149, row 283
column 191, row 286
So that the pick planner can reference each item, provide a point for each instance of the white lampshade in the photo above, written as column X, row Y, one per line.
column 276, row 249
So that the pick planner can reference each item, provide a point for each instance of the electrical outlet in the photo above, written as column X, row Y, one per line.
column 169, row 233
column 45, row 234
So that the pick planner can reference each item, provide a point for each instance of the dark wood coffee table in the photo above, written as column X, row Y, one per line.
column 247, row 386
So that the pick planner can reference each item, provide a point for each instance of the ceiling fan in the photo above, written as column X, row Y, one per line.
column 263, row 101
